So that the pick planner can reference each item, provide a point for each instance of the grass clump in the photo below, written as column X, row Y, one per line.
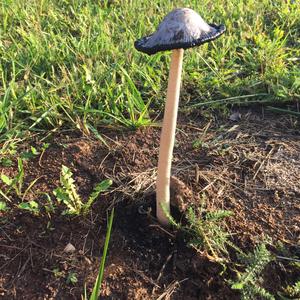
column 72, row 63
column 67, row 193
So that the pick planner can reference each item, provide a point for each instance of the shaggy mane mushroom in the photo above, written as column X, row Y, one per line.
column 181, row 29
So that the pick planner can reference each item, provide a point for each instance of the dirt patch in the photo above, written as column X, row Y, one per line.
column 250, row 167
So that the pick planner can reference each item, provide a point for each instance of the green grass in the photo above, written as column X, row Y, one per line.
column 72, row 63
column 97, row 286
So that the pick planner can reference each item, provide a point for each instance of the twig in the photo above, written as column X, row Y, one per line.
column 263, row 162
column 288, row 258
column 162, row 229
column 171, row 289
column 146, row 278
column 161, row 271
column 4, row 265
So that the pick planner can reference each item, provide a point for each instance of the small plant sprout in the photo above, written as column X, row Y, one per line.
column 3, row 206
column 67, row 193
column 31, row 206
column 17, row 183
column 181, row 29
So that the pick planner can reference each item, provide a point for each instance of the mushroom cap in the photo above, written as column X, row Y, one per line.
column 181, row 28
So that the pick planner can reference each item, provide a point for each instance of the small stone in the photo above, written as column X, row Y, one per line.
column 69, row 248
column 236, row 116
column 88, row 261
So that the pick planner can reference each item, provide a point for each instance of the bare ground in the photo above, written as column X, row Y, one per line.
column 250, row 167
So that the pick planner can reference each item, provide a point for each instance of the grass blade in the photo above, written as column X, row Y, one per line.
column 283, row 111
column 97, row 286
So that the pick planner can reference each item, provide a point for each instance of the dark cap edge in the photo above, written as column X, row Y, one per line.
column 153, row 50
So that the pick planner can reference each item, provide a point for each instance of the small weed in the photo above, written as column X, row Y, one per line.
column 3, row 206
column 57, row 273
column 49, row 205
column 72, row 278
column 29, row 154
column 205, row 232
column 68, row 195
column 31, row 206
column 7, row 151
column 199, row 144
column 292, row 291
column 6, row 162
column 249, row 282
column 17, row 183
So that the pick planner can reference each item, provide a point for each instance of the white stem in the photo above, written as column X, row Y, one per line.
column 167, row 138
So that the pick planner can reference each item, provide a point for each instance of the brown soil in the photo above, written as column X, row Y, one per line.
column 250, row 167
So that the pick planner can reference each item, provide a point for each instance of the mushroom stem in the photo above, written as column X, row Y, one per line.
column 167, row 138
